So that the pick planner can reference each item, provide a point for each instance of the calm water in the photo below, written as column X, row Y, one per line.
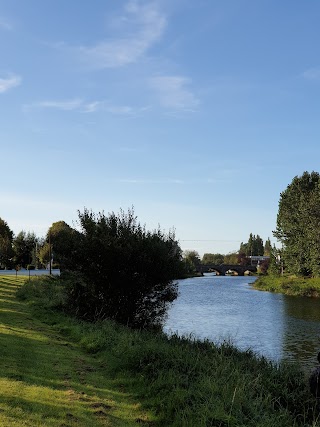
column 228, row 308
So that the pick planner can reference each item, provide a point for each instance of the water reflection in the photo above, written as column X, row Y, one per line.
column 228, row 308
column 302, row 329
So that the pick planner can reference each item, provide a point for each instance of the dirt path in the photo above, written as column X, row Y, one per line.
column 46, row 380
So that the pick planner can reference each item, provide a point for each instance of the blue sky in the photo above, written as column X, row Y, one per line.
column 197, row 113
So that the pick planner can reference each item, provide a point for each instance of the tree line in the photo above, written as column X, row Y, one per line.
column 112, row 266
column 255, row 246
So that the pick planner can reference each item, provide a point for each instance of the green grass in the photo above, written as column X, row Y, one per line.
column 63, row 372
column 289, row 285
column 47, row 379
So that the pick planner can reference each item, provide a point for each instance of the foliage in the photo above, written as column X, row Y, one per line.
column 290, row 285
column 24, row 246
column 212, row 259
column 243, row 259
column 298, row 225
column 64, row 243
column 254, row 246
column 231, row 258
column 267, row 247
column 191, row 260
column 124, row 272
column 6, row 251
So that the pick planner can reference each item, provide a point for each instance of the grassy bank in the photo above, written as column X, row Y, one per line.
column 48, row 379
column 289, row 285
column 183, row 382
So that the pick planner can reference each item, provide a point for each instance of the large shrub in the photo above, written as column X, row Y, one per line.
column 124, row 272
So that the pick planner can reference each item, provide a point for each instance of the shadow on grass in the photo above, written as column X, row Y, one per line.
column 47, row 380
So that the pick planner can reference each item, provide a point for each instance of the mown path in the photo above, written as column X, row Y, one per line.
column 47, row 380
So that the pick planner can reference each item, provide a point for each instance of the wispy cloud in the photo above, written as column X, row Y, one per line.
column 66, row 105
column 174, row 92
column 142, row 23
column 312, row 74
column 9, row 83
column 81, row 106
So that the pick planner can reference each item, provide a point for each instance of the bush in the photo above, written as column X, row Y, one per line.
column 123, row 272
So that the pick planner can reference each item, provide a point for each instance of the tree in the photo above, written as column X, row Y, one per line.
column 267, row 247
column 192, row 261
column 254, row 247
column 298, row 225
column 62, row 246
column 6, row 251
column 212, row 259
column 231, row 258
column 123, row 271
column 24, row 246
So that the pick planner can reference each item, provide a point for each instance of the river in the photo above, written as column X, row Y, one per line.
column 220, row 308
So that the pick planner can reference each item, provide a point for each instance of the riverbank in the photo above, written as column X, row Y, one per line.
column 175, row 381
column 289, row 285
column 48, row 379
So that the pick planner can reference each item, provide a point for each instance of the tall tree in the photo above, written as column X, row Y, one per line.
column 267, row 247
column 298, row 224
column 254, row 246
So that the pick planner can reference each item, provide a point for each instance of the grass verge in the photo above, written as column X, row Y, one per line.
column 289, row 285
column 185, row 382
column 47, row 379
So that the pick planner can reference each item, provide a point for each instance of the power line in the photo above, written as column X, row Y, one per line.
column 215, row 240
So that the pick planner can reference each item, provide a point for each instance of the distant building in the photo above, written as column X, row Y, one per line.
column 256, row 260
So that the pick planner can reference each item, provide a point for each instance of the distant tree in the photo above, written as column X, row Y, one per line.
column 243, row 259
column 24, row 246
column 298, row 222
column 267, row 247
column 192, row 260
column 64, row 243
column 264, row 266
column 6, row 251
column 44, row 253
column 254, row 246
column 231, row 258
column 123, row 271
column 212, row 258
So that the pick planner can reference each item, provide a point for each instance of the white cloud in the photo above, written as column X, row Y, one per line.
column 312, row 74
column 174, row 93
column 144, row 25
column 67, row 105
column 79, row 105
column 9, row 83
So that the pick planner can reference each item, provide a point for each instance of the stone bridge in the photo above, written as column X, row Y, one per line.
column 221, row 269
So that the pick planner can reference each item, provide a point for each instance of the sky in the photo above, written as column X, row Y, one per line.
column 197, row 113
